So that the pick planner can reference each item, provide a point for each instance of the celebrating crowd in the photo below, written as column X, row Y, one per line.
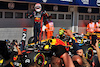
column 59, row 56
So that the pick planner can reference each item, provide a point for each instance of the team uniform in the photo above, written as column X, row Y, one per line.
column 49, row 29
column 91, row 27
column 97, row 27
column 38, row 19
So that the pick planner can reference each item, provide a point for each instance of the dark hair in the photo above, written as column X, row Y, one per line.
column 96, row 61
column 14, row 41
column 33, row 65
column 76, row 64
column 91, row 20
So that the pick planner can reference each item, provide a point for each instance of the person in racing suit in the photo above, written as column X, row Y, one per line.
column 38, row 19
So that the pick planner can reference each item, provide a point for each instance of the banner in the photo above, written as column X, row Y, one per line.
column 95, row 3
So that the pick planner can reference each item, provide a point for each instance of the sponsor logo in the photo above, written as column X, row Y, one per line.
column 76, row 35
column 11, row 5
column 27, row 60
column 67, row 0
column 17, row 64
column 98, row 2
column 85, row 1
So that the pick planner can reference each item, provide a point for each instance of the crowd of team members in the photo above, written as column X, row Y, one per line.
column 60, row 56
column 93, row 27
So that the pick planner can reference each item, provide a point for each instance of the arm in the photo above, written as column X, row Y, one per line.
column 97, row 49
column 47, row 27
column 87, row 27
column 45, row 14
column 76, row 47
column 74, row 41
column 60, row 51
column 69, row 33
column 68, row 62
column 19, row 51
column 30, row 15
column 98, row 53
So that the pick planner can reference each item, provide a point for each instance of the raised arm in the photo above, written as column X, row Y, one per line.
column 30, row 15
column 97, row 49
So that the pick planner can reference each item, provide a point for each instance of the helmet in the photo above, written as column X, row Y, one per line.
column 63, row 28
column 38, row 7
column 61, row 32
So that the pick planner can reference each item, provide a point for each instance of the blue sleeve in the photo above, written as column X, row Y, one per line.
column 75, row 45
column 32, row 13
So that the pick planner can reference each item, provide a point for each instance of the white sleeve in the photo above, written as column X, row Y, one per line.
column 43, row 28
